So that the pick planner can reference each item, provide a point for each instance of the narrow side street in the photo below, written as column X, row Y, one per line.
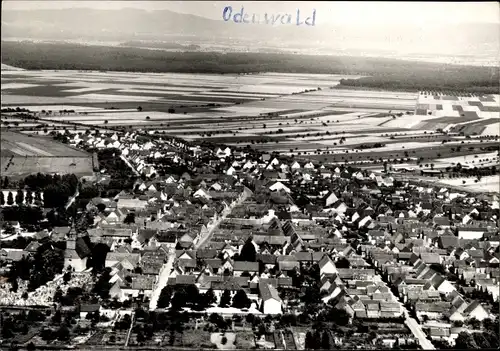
column 130, row 329
column 412, row 324
column 127, row 162
column 162, row 280
column 206, row 238
column 417, row 331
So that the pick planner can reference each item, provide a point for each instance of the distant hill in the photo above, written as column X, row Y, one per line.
column 478, row 40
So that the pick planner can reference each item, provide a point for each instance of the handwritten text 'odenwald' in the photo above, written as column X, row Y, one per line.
column 245, row 17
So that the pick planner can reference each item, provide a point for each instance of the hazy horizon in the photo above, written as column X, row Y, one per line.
column 355, row 13
column 449, row 31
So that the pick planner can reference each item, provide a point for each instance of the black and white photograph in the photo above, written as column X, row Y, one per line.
column 249, row 175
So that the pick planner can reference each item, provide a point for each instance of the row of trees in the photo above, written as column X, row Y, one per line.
column 189, row 296
column 31, row 198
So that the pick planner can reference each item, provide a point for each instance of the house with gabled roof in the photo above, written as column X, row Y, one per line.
column 327, row 266
column 76, row 253
column 239, row 267
column 476, row 310
column 271, row 302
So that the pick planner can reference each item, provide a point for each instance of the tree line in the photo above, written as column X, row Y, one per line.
column 384, row 73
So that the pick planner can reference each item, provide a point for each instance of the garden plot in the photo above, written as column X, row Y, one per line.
column 450, row 161
column 247, row 110
column 160, row 90
column 404, row 146
column 407, row 121
column 281, row 89
column 486, row 184
column 23, row 100
column 6, row 68
column 84, row 90
column 235, row 96
column 34, row 149
column 6, row 86
column 298, row 114
column 491, row 129
column 115, row 98
column 129, row 115
column 133, row 88
column 190, row 102
column 26, row 125
column 372, row 94
column 330, row 140
column 55, row 108
column 229, row 340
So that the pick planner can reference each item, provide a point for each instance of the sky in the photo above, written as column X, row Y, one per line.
column 356, row 13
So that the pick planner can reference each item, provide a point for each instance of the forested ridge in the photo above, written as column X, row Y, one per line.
column 383, row 73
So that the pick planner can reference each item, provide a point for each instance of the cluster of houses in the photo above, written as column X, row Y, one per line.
column 381, row 246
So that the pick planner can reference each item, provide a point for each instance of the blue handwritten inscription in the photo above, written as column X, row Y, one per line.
column 243, row 17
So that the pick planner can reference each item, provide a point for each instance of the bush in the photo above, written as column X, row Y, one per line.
column 223, row 340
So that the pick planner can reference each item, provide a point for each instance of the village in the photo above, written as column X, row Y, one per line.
column 249, row 250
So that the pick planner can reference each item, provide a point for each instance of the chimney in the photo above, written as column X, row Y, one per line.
column 71, row 244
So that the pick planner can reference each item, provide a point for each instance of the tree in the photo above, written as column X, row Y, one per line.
column 106, row 121
column 248, row 252
column 38, row 197
column 342, row 263
column 10, row 199
column 6, row 182
column 465, row 341
column 56, row 318
column 29, row 198
column 178, row 301
column 2, row 199
column 241, row 300
column 225, row 299
column 309, row 341
column 14, row 286
column 192, row 294
column 474, row 323
column 58, row 295
column 325, row 341
column 130, row 218
column 63, row 333
column 209, row 297
column 67, row 277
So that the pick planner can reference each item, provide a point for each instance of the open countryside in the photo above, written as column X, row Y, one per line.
column 308, row 116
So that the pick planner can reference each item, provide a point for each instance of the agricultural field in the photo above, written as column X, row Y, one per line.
column 22, row 155
column 485, row 184
column 15, row 144
column 304, row 115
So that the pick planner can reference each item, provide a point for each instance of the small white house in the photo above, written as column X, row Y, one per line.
column 471, row 233
column 327, row 266
column 279, row 186
column 271, row 302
